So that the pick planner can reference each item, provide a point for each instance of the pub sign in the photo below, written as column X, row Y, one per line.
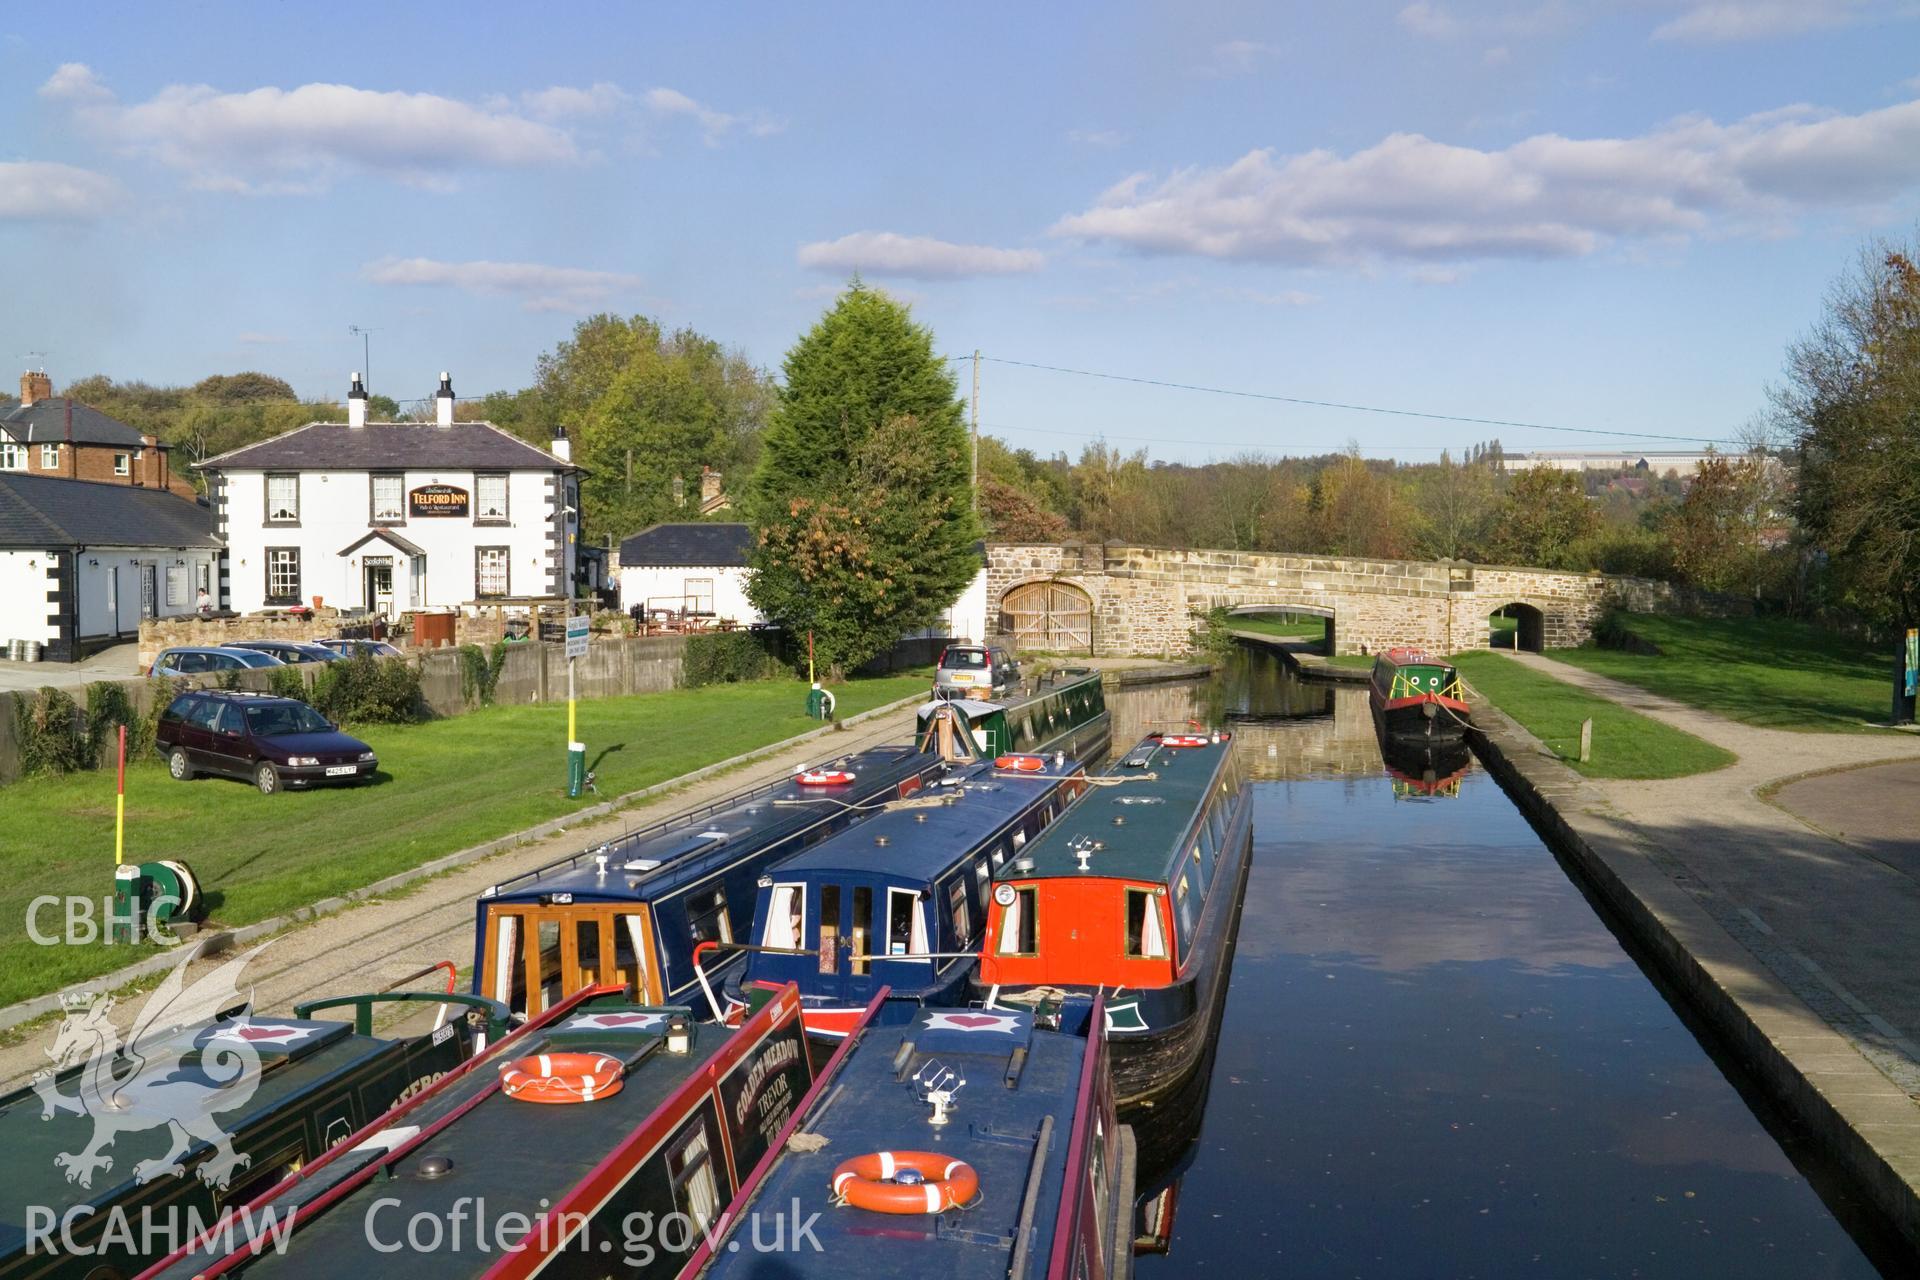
column 437, row 500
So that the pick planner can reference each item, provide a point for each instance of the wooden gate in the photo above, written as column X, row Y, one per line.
column 1049, row 616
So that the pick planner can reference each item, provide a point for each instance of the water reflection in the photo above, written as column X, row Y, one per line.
column 1436, row 1060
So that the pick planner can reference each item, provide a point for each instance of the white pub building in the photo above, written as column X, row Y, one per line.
column 392, row 516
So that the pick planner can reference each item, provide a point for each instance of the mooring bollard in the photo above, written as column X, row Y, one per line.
column 1586, row 740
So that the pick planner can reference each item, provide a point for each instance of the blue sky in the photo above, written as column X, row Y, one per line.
column 1611, row 215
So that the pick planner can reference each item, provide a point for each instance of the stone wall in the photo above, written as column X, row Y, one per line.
column 1146, row 600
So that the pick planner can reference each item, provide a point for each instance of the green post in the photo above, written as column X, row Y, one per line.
column 576, row 768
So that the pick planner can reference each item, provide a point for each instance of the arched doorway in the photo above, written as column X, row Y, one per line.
column 1517, row 626
column 1053, row 617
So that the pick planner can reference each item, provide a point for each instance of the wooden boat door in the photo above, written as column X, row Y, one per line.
column 607, row 944
column 537, row 955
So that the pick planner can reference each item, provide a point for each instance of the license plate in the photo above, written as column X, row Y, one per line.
column 341, row 770
column 962, row 677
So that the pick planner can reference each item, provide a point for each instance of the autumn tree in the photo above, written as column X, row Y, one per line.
column 1358, row 511
column 861, row 500
column 1456, row 502
column 1543, row 520
column 1724, row 531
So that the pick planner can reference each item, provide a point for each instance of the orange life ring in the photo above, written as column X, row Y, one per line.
column 562, row 1077
column 824, row 778
column 1020, row 764
column 1183, row 740
column 866, row 1182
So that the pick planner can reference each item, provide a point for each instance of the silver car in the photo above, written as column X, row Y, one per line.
column 974, row 670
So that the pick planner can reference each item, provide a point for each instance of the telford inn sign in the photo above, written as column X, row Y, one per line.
column 437, row 500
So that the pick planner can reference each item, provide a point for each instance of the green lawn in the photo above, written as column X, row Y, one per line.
column 1351, row 660
column 1292, row 626
column 1626, row 744
column 442, row 786
column 1766, row 672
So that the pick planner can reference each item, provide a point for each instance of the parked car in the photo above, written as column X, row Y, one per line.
column 272, row 742
column 974, row 668
column 288, row 651
column 200, row 661
column 355, row 647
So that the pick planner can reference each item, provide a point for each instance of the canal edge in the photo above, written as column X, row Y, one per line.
column 1864, row 1122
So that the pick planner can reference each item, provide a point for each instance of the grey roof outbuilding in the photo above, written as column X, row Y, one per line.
column 702, row 544
column 389, row 446
column 52, row 511
column 45, row 422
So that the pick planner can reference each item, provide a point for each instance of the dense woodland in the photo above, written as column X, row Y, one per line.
column 1824, row 517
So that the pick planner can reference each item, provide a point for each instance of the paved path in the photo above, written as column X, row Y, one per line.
column 1836, row 920
column 121, row 662
column 376, row 943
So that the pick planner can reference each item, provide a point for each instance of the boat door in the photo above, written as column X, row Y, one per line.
column 538, row 955
column 607, row 945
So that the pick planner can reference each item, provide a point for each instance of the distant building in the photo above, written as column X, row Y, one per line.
column 46, row 435
column 1671, row 464
column 391, row 516
column 82, row 561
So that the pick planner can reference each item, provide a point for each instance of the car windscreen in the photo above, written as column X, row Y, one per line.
column 964, row 659
column 251, row 658
column 284, row 718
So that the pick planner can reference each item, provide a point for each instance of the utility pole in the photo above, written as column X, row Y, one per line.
column 974, row 471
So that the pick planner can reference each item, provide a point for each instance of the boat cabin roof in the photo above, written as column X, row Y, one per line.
column 1134, row 827
column 930, row 830
column 1411, row 657
column 1018, row 1078
column 655, row 861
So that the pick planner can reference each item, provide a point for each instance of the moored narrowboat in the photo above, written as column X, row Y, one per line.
column 1137, row 890
column 631, row 912
column 122, row 1151
column 1064, row 711
column 967, row 1144
column 1422, row 770
column 1415, row 695
column 901, row 899
column 601, row 1138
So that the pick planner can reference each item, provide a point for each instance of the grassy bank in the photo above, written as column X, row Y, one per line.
column 442, row 786
column 1286, row 626
column 1626, row 744
column 1766, row 672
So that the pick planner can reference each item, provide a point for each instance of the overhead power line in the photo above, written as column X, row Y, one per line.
column 1353, row 408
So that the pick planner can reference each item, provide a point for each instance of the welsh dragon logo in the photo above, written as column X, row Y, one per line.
column 145, row 1083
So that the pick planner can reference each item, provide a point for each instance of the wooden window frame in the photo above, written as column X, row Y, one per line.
column 374, row 518
column 267, row 571
column 506, row 499
column 506, row 560
column 266, row 499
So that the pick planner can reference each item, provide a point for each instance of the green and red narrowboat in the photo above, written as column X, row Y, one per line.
column 1136, row 890
column 1415, row 695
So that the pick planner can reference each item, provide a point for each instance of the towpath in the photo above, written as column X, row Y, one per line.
column 1806, row 850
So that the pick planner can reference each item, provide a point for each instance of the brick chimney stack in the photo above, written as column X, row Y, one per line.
column 35, row 386
column 709, row 487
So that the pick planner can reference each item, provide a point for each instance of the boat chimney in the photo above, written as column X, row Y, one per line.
column 443, row 401
column 356, row 402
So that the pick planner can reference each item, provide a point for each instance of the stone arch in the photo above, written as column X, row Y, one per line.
column 1050, row 614
column 1530, row 632
column 1326, row 611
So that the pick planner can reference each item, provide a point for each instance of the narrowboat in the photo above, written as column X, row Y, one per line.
column 899, row 900
column 968, row 1144
column 1063, row 711
column 600, row 1138
column 1138, row 890
column 631, row 911
column 1422, row 770
column 203, row 1116
column 1414, row 695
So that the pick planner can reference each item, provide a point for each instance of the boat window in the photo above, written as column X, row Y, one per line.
column 509, row 987
column 630, row 953
column 1146, row 936
column 957, row 908
column 707, row 916
column 1019, row 839
column 902, row 922
column 829, row 928
column 1019, row 931
column 787, row 918
column 1186, row 912
column 1097, row 1176
column 547, row 935
column 1217, row 825
column 586, row 948
column 690, row 1166
column 862, row 927
column 982, row 882
column 261, row 1174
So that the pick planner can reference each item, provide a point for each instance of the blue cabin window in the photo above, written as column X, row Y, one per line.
column 906, row 928
column 862, row 926
column 957, row 908
column 786, row 918
column 707, row 916
column 829, row 944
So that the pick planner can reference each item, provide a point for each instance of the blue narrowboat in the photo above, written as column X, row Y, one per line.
column 899, row 900
column 967, row 1144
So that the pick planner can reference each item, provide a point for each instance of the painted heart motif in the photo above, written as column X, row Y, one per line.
column 264, row 1033
column 974, row 1020
column 625, row 1019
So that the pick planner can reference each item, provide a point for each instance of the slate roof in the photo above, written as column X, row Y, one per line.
column 710, row 543
column 381, row 446
column 51, row 511
column 45, row 422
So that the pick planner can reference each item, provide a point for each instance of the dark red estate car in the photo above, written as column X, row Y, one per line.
column 270, row 741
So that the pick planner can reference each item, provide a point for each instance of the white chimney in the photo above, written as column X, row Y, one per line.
column 356, row 403
column 443, row 401
column 562, row 447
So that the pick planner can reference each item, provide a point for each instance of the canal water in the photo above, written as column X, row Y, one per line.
column 1437, row 1060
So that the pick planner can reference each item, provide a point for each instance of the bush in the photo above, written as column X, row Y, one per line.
column 480, row 672
column 285, row 682
column 51, row 736
column 729, row 657
column 1640, row 553
column 108, row 708
column 368, row 690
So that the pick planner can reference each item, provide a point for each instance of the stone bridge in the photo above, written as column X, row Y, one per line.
column 1112, row 600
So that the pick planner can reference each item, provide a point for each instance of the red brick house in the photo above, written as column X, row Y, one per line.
column 46, row 435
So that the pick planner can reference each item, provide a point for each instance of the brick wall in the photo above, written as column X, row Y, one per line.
column 96, row 462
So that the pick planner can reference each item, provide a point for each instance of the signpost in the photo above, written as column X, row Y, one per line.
column 1908, row 682
column 577, row 625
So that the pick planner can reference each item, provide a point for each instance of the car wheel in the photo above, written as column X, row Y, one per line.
column 178, row 766
column 267, row 778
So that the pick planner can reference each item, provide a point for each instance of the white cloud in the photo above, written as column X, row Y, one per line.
column 540, row 287
column 564, row 101
column 1728, row 20
column 261, row 339
column 1097, row 137
column 1281, row 298
column 1425, row 18
column 714, row 125
column 302, row 139
column 1430, row 274
column 1240, row 57
column 1410, row 197
column 920, row 257
column 41, row 191
column 1498, row 56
